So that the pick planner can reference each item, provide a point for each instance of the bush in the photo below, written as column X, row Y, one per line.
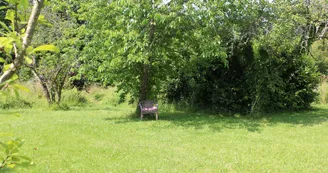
column 14, row 102
column 255, row 81
column 74, row 98
column 60, row 107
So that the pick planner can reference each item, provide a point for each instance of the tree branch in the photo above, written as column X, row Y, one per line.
column 19, row 59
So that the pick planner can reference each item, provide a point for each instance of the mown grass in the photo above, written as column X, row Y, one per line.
column 104, row 138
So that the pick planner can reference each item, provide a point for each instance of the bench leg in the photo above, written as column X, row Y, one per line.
column 141, row 116
column 156, row 116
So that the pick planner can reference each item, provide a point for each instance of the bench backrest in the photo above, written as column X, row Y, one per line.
column 147, row 103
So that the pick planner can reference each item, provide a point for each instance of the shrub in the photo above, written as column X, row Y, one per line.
column 14, row 102
column 60, row 107
column 255, row 81
column 74, row 97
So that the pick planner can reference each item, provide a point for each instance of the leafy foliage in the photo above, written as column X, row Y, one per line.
column 141, row 48
column 16, row 38
column 15, row 47
column 10, row 155
column 53, row 65
column 319, row 50
column 246, row 56
column 269, row 68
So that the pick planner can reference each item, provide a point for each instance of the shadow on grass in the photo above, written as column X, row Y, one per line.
column 196, row 121
column 218, row 122
column 213, row 122
column 305, row 118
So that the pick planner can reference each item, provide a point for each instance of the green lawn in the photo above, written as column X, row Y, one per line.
column 104, row 139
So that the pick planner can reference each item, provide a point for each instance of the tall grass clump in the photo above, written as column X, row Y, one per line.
column 74, row 98
column 35, row 94
column 106, row 96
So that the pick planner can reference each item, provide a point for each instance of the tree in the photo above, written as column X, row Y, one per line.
column 268, row 64
column 52, row 69
column 138, row 49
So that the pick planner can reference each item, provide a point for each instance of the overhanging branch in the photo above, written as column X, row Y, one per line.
column 19, row 59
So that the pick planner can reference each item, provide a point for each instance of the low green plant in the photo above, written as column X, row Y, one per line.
column 10, row 154
column 98, row 96
column 74, row 98
column 14, row 102
column 60, row 107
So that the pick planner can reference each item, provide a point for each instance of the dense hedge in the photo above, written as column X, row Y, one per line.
column 254, row 81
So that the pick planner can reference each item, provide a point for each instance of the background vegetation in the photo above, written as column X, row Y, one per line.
column 230, row 56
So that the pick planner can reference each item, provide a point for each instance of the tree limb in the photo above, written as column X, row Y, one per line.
column 26, row 41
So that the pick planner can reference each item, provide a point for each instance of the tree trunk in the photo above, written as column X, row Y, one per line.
column 61, row 85
column 145, row 86
column 52, row 93
column 46, row 92
column 44, row 86
column 19, row 59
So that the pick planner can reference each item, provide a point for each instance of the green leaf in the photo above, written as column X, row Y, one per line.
column 12, row 165
column 28, row 60
column 46, row 3
column 6, row 67
column 16, row 38
column 10, row 15
column 5, row 41
column 21, row 87
column 8, row 49
column 2, row 60
column 4, row 26
column 29, row 50
column 3, row 7
column 43, row 21
column 157, row 17
column 14, row 77
column 49, row 47
column 24, row 4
